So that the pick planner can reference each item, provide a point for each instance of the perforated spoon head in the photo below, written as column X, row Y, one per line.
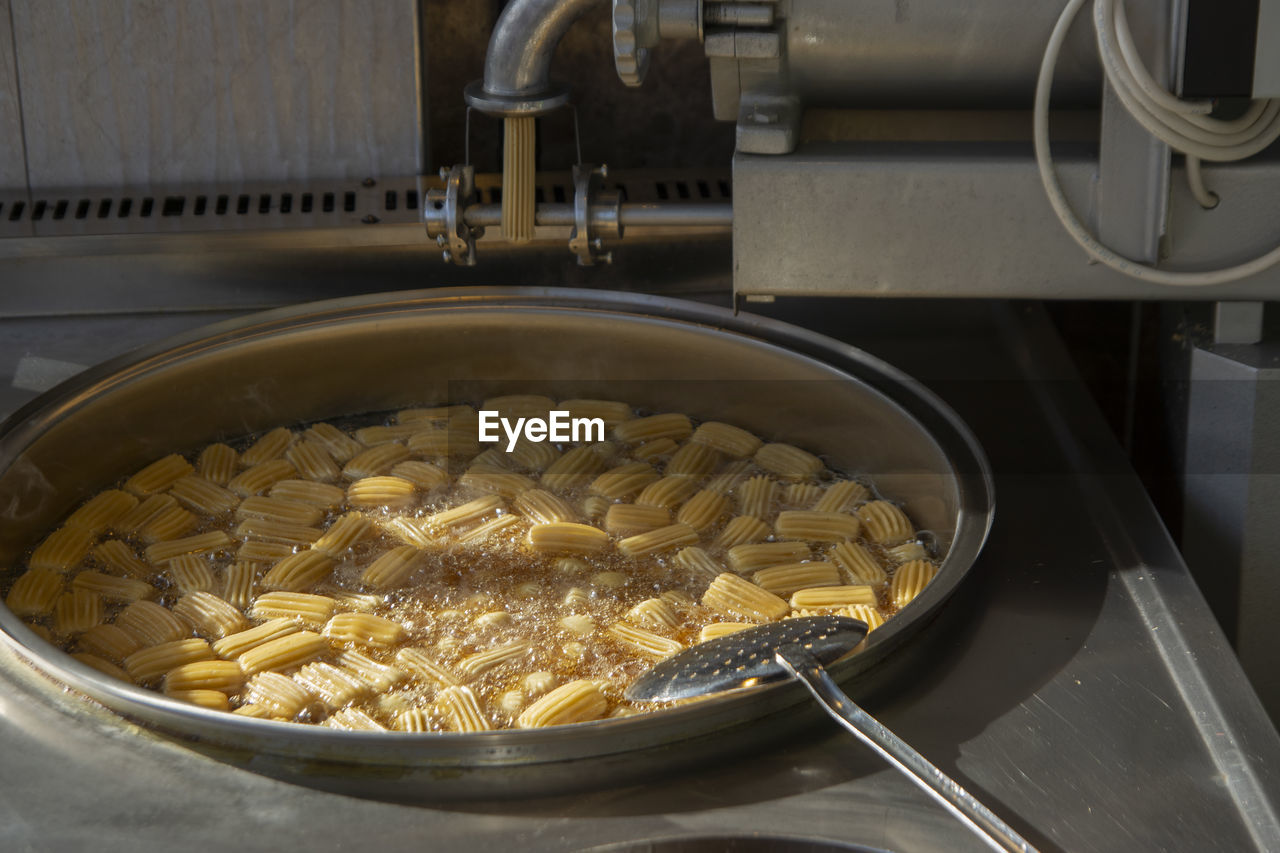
column 745, row 658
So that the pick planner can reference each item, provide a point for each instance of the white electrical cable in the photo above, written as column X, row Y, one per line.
column 1182, row 125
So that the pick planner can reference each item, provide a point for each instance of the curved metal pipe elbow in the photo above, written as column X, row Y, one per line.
column 517, row 65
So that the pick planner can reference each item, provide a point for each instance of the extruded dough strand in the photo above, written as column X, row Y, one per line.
column 465, row 514
column 113, row 588
column 332, row 686
column 716, row 630
column 740, row 599
column 108, row 641
column 158, row 476
column 218, row 463
column 354, row 720
column 623, row 481
column 201, row 543
column 62, row 550
column 313, row 461
column 698, row 562
column 461, row 708
column 134, row 520
column 645, row 642
column 306, row 607
column 379, row 676
column 76, row 611
column 657, row 541
column 858, row 562
column 654, row 613
column 884, row 523
column 119, row 557
column 344, row 534
column 261, row 529
column 382, row 492
column 269, row 446
column 341, row 446
column 375, row 461
column 693, row 460
column 574, row 468
column 543, row 507
column 204, row 496
column 838, row 496
column 151, row 663
column 279, row 510
column 279, row 693
column 168, row 524
column 743, row 530
column 234, row 645
column 669, row 492
column 421, row 664
column 703, row 510
column 786, row 579
column 817, row 526
column 323, row 495
column 475, row 664
column 209, row 615
column 149, row 624
column 364, row 629
column 190, row 573
column 102, row 510
column 910, row 580
column 749, row 558
column 298, row 572
column 825, row 597
column 726, row 438
column 283, row 653
column 788, row 461
column 575, row 702
column 392, row 568
column 757, row 496
column 261, row 477
column 630, row 519
column 566, row 537
column 34, row 593
column 225, row 676
column 424, row 475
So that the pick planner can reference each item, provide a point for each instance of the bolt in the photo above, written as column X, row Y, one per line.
column 597, row 244
column 444, row 173
column 368, row 182
column 370, row 219
column 441, row 240
column 603, row 171
column 607, row 257
column 447, row 256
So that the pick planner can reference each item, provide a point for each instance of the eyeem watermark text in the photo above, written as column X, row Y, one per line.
column 559, row 426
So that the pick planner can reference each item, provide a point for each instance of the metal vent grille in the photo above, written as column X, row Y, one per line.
column 277, row 206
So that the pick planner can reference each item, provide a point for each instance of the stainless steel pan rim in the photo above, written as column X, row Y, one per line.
column 439, row 752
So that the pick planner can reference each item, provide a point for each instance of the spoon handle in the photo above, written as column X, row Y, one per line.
column 996, row 833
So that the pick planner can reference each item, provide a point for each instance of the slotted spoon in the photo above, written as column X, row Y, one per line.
column 799, row 648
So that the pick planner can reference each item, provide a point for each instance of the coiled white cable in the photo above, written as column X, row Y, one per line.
column 1183, row 125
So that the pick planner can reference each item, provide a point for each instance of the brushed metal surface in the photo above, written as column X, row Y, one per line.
column 132, row 93
column 13, row 165
column 376, row 354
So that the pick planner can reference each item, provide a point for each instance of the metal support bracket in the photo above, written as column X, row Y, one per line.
column 443, row 213
column 596, row 215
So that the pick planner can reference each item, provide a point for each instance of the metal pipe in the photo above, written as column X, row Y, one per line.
column 518, row 61
column 675, row 214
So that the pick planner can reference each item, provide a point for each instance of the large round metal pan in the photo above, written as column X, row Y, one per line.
column 372, row 354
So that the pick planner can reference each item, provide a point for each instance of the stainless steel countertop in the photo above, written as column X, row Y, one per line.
column 1077, row 683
